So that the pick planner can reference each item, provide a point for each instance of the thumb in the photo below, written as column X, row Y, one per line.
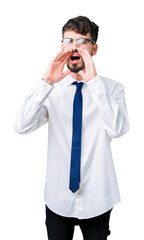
column 81, row 73
column 66, row 73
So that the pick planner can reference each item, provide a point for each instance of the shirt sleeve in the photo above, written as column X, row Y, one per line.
column 112, row 106
column 33, row 113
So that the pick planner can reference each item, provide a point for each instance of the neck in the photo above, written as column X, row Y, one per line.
column 76, row 76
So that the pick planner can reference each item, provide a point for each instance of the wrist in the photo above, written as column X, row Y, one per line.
column 92, row 77
column 47, row 80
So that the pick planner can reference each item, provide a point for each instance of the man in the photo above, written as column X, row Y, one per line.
column 84, row 112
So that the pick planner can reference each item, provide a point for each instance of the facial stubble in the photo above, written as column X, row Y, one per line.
column 74, row 68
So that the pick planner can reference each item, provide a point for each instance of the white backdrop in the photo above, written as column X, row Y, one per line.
column 30, row 37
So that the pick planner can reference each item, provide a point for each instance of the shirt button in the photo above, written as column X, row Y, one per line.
column 79, row 191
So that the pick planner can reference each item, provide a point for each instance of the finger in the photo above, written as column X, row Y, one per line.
column 66, row 58
column 66, row 73
column 68, row 54
column 84, row 53
column 64, row 62
column 56, row 56
column 62, row 56
column 81, row 73
column 86, row 57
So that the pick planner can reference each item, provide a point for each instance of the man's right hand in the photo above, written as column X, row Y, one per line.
column 54, row 72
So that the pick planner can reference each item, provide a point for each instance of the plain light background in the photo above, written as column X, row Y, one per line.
column 30, row 37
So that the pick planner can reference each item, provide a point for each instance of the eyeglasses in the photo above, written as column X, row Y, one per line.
column 67, row 41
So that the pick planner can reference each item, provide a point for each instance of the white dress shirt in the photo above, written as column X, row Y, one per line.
column 104, row 117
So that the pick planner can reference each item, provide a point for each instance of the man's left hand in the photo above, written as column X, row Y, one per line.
column 90, row 71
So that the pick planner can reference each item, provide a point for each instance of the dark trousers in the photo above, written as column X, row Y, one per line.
column 62, row 228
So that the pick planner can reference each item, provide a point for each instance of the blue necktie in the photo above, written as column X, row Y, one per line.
column 76, row 139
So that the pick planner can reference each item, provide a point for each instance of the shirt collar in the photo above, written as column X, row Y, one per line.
column 68, row 80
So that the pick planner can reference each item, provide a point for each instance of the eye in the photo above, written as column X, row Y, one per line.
column 67, row 41
column 82, row 41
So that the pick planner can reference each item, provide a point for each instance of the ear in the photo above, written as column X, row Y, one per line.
column 95, row 48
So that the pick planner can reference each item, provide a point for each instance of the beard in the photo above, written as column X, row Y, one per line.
column 74, row 67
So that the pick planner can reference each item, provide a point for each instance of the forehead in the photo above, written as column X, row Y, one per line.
column 72, row 34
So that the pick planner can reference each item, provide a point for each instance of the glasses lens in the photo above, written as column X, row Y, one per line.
column 67, row 41
column 82, row 40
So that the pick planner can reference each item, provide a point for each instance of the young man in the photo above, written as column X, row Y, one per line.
column 84, row 112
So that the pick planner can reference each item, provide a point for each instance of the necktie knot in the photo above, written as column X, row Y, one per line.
column 78, row 85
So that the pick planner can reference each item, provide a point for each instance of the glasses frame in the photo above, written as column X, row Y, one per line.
column 72, row 40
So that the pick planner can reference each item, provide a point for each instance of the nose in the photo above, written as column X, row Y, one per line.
column 74, row 44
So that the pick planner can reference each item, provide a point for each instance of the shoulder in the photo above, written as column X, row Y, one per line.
column 111, row 84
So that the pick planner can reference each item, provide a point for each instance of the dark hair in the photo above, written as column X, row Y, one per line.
column 82, row 25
